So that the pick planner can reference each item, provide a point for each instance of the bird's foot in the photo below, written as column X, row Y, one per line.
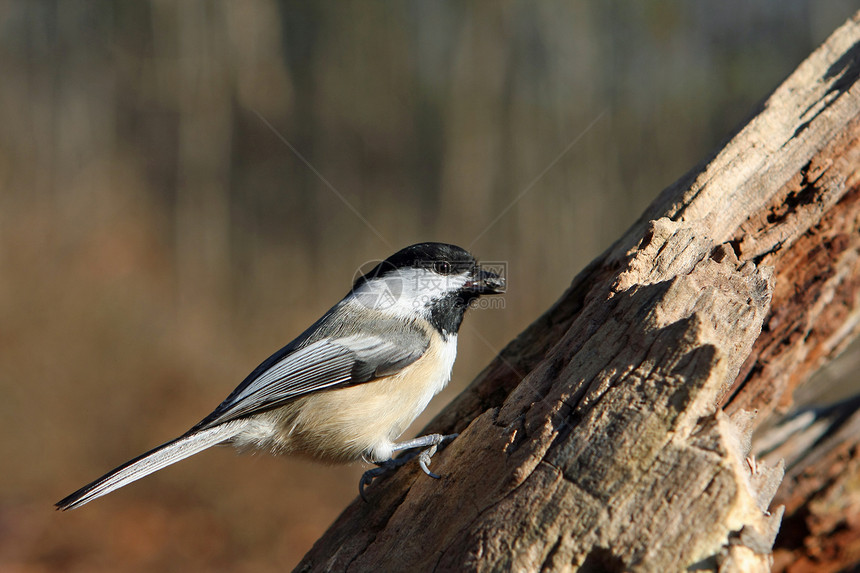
column 430, row 443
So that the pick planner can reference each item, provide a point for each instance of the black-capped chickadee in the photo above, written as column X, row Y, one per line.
column 349, row 385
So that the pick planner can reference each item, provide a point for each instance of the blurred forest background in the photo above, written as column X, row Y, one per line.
column 185, row 186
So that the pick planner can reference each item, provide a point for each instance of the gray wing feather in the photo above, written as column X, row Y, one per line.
column 324, row 364
column 320, row 365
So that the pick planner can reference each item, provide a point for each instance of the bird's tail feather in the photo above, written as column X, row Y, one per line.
column 152, row 461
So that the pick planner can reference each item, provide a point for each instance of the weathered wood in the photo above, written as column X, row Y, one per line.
column 821, row 490
column 594, row 442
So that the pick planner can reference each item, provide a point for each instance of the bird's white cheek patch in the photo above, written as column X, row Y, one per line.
column 407, row 291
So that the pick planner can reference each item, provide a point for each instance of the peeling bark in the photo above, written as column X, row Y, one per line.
column 614, row 433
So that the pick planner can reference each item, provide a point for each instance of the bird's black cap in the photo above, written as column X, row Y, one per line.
column 442, row 257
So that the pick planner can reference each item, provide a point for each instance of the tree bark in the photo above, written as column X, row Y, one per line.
column 614, row 433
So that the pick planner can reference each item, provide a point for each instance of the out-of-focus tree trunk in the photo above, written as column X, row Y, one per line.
column 614, row 433
column 202, row 227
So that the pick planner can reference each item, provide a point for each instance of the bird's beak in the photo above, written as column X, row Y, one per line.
column 485, row 282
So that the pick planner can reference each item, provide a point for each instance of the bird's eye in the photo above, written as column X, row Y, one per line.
column 442, row 267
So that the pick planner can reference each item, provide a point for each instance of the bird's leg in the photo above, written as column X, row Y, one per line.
column 430, row 442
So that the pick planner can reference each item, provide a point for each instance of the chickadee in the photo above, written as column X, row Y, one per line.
column 349, row 385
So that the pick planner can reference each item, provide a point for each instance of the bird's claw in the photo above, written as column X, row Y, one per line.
column 424, row 458
column 368, row 477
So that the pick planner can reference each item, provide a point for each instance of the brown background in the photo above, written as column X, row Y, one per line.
column 158, row 239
